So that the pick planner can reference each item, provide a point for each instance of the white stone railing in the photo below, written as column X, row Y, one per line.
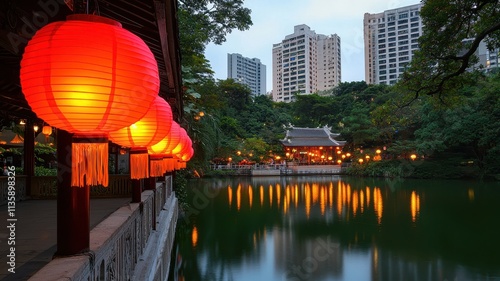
column 125, row 246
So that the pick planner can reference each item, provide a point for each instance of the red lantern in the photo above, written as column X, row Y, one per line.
column 149, row 130
column 146, row 132
column 160, row 153
column 88, row 76
column 183, row 142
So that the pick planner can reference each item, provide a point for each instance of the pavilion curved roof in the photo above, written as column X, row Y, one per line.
column 296, row 137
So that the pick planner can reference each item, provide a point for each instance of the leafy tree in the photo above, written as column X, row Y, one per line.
column 205, row 21
column 237, row 96
column 358, row 129
column 350, row 88
column 313, row 111
column 452, row 33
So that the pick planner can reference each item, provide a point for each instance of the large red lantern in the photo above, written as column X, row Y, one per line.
column 89, row 76
column 148, row 131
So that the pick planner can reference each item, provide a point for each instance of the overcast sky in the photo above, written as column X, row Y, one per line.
column 274, row 19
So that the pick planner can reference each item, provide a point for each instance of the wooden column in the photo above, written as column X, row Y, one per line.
column 29, row 154
column 73, row 204
column 136, row 190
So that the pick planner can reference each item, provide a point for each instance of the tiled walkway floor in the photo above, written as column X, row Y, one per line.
column 36, row 230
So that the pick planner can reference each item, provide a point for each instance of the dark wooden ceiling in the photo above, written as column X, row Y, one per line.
column 155, row 21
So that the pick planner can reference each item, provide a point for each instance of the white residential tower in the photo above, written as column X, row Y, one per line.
column 391, row 37
column 305, row 63
column 250, row 72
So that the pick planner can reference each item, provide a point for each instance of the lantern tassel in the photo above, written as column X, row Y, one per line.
column 139, row 163
column 89, row 163
column 156, row 168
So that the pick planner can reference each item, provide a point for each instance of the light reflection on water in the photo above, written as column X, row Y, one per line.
column 333, row 228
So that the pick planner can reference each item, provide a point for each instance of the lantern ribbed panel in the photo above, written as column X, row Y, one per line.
column 174, row 137
column 187, row 155
column 151, row 129
column 88, row 76
column 183, row 142
column 171, row 140
column 185, row 148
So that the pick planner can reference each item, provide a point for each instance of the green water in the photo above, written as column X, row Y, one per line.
column 337, row 228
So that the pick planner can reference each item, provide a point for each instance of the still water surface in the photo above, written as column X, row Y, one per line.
column 338, row 228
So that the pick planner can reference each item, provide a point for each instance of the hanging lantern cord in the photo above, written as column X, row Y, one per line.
column 80, row 6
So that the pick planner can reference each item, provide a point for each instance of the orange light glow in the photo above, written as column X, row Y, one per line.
column 250, row 196
column 261, row 192
column 194, row 236
column 378, row 204
column 238, row 197
column 414, row 205
column 230, row 195
column 271, row 195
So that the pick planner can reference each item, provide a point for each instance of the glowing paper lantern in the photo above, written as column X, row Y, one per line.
column 161, row 158
column 148, row 131
column 47, row 130
column 186, row 148
column 89, row 76
column 174, row 138
column 183, row 142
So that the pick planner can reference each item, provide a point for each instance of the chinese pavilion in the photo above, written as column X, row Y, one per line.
column 312, row 145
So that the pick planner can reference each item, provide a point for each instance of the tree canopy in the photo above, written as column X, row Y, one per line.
column 451, row 35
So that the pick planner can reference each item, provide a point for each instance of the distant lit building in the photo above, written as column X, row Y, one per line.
column 250, row 72
column 391, row 38
column 312, row 145
column 487, row 59
column 304, row 63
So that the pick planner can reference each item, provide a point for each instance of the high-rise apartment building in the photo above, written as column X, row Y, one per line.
column 391, row 37
column 487, row 60
column 304, row 63
column 250, row 72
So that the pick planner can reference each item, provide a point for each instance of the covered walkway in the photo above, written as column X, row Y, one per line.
column 36, row 233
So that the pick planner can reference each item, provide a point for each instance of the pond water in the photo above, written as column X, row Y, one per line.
column 339, row 228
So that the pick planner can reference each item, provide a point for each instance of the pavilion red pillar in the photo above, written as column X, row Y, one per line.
column 29, row 154
column 73, row 204
column 136, row 190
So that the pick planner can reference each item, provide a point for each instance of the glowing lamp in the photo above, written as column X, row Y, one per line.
column 47, row 130
column 148, row 131
column 89, row 76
